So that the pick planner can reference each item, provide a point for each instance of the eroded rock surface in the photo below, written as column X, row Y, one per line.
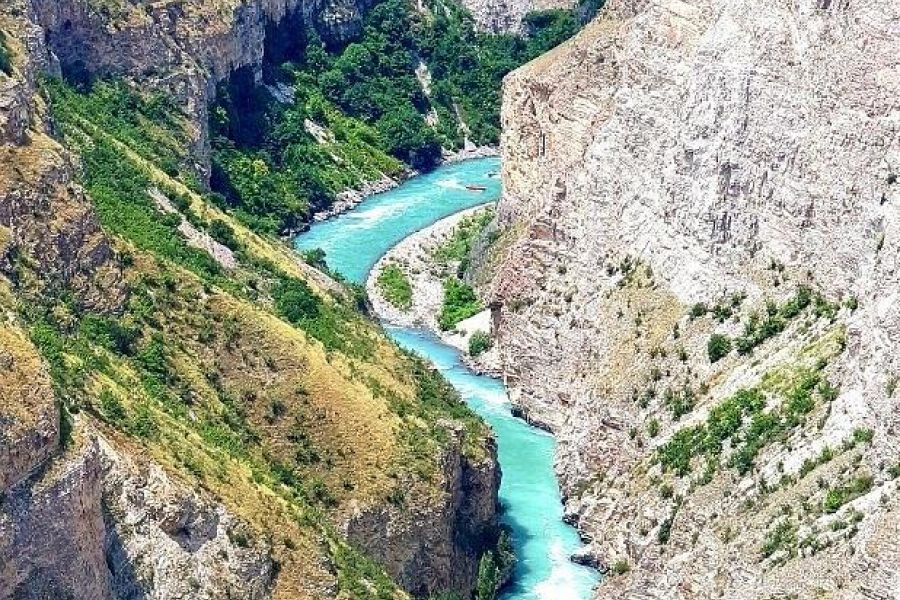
column 507, row 16
column 427, row 552
column 721, row 152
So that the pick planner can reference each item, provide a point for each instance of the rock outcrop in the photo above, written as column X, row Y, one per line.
column 164, row 540
column 184, row 49
column 52, row 230
column 52, row 531
column 721, row 152
column 507, row 16
column 427, row 552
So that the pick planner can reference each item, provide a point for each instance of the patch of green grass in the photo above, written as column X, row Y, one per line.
column 459, row 304
column 360, row 577
column 395, row 286
column 457, row 247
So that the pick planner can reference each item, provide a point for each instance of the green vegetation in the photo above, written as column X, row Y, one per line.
column 295, row 301
column 5, row 57
column 479, row 343
column 722, row 310
column 457, row 247
column 460, row 303
column 698, row 310
column 494, row 568
column 840, row 495
column 178, row 368
column 759, row 329
column 718, row 347
column 783, row 537
column 358, row 111
column 743, row 420
column 359, row 576
column 395, row 286
column 100, row 124
column 620, row 567
column 680, row 402
column 665, row 531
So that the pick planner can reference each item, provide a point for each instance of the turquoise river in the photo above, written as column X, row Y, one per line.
column 529, row 492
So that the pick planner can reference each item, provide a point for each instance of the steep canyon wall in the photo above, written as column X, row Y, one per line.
column 729, row 153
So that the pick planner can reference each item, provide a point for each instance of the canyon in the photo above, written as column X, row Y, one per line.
column 693, row 278
column 680, row 179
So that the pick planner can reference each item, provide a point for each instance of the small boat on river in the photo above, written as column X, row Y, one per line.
column 475, row 188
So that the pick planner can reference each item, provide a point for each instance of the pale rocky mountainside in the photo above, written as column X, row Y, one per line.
column 507, row 16
column 732, row 153
column 192, row 486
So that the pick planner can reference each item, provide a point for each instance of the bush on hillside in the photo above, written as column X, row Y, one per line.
column 718, row 347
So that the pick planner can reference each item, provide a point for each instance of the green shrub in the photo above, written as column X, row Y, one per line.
column 698, row 310
column 782, row 537
column 460, row 303
column 295, row 301
column 863, row 435
column 620, row 567
column 664, row 531
column 395, row 286
column 142, row 424
column 224, row 234
column 680, row 402
column 108, row 333
column 66, row 424
column 111, row 408
column 479, row 343
column 838, row 496
column 729, row 421
column 316, row 258
column 718, row 347
column 152, row 357
column 488, row 582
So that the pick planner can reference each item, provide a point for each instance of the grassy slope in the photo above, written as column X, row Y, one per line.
column 286, row 423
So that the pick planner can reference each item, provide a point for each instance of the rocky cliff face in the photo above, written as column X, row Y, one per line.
column 721, row 152
column 507, row 16
column 428, row 552
column 183, row 49
column 50, row 224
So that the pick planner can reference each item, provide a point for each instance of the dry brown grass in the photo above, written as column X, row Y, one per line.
column 26, row 396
